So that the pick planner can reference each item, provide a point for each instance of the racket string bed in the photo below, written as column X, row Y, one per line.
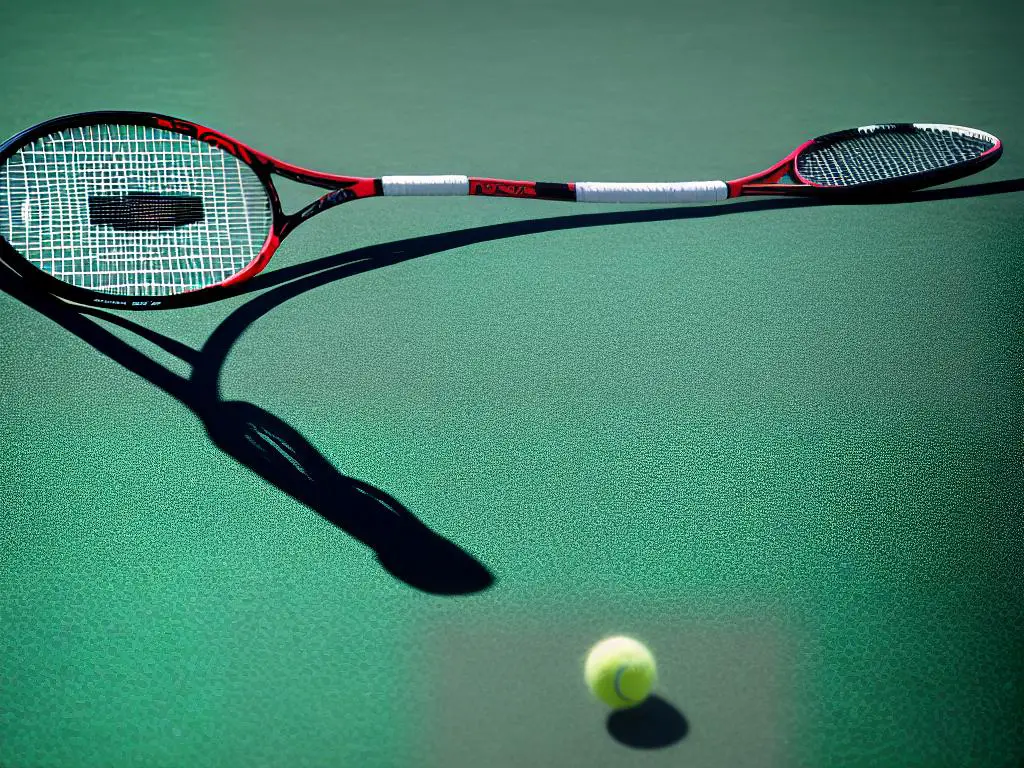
column 50, row 184
column 882, row 156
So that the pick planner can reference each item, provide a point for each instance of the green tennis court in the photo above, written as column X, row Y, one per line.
column 375, row 510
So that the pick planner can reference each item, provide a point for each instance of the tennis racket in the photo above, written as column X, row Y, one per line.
column 132, row 210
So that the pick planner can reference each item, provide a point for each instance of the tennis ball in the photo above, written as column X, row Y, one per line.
column 620, row 671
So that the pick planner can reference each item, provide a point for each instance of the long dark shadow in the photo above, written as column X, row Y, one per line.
column 280, row 454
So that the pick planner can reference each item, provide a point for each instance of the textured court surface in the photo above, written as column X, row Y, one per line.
column 781, row 442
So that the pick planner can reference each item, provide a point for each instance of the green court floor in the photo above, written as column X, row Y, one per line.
column 374, row 511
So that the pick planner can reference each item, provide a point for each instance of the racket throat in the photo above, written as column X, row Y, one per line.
column 780, row 179
column 334, row 198
column 330, row 200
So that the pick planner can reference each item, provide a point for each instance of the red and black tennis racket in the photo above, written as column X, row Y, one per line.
column 132, row 210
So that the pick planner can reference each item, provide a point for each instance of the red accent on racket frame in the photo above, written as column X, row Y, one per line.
column 766, row 182
column 502, row 188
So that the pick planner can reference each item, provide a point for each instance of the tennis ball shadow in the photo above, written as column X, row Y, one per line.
column 655, row 724
column 404, row 546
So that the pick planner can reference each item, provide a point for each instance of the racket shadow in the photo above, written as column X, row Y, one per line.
column 278, row 453
column 404, row 546
column 409, row 550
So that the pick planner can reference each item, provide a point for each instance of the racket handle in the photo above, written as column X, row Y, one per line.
column 581, row 191
column 672, row 192
column 418, row 186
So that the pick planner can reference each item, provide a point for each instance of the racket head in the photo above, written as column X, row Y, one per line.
column 135, row 210
column 876, row 161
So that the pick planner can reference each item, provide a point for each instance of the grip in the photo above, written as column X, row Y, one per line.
column 669, row 192
column 418, row 186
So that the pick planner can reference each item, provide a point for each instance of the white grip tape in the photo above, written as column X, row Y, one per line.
column 672, row 192
column 425, row 185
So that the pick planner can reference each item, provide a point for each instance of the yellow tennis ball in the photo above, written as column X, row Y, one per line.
column 620, row 671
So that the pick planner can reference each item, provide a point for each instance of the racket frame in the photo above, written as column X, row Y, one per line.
column 342, row 189
column 769, row 181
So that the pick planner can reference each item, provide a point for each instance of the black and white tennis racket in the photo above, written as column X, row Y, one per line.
column 132, row 210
